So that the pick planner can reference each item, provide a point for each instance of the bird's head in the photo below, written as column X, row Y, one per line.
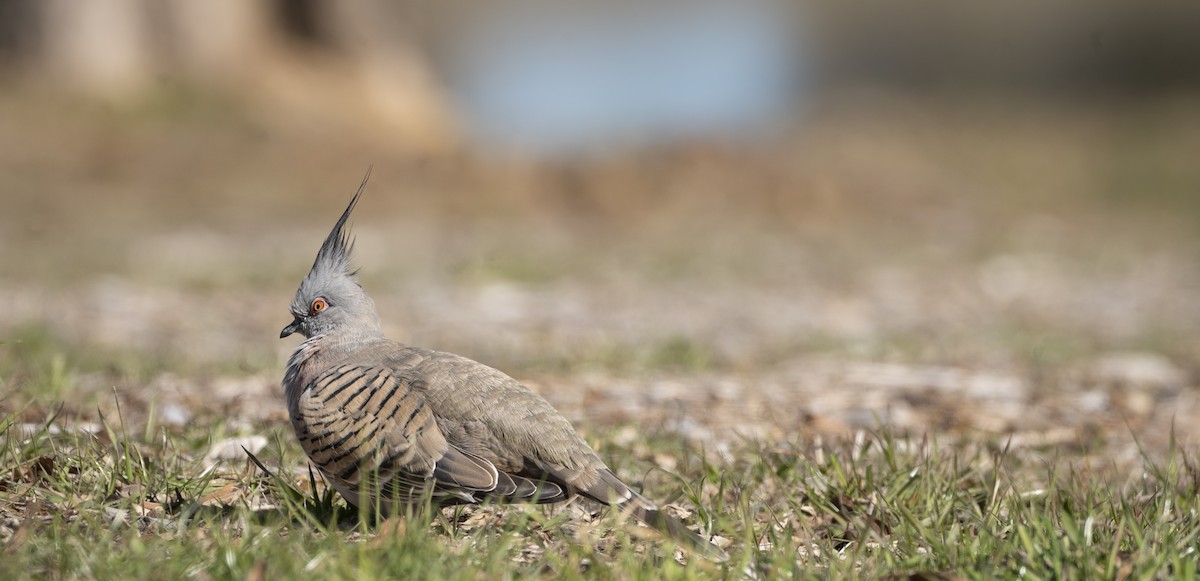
column 330, row 300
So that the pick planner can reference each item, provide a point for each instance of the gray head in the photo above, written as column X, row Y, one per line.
column 330, row 300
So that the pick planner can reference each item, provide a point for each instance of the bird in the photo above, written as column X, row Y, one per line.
column 390, row 425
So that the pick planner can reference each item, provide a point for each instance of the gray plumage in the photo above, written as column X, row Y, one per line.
column 388, row 424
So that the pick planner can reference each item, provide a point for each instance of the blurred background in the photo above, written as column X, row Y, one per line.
column 808, row 216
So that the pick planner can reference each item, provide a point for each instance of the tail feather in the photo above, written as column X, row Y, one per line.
column 670, row 526
column 606, row 488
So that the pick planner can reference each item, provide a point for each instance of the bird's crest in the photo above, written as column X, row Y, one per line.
column 336, row 252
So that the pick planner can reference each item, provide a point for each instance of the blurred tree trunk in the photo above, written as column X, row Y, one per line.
column 336, row 61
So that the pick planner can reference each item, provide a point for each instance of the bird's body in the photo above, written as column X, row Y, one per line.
column 387, row 408
column 389, row 425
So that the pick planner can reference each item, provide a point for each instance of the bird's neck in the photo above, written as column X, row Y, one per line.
column 365, row 330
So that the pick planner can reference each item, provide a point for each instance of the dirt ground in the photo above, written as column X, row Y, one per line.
column 1018, row 270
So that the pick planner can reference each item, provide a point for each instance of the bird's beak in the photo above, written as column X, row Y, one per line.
column 291, row 328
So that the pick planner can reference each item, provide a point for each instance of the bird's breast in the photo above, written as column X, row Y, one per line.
column 299, row 367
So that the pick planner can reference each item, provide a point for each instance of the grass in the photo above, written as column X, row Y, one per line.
column 116, row 504
column 874, row 241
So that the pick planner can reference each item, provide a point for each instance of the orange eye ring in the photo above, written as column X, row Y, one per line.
column 319, row 304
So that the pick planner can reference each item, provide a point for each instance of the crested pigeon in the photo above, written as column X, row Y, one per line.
column 389, row 425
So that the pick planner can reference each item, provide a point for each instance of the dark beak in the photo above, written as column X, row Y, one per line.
column 291, row 328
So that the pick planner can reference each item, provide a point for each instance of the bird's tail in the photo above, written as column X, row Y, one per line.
column 609, row 489
column 655, row 518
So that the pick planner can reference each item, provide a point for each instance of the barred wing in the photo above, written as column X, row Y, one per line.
column 369, row 430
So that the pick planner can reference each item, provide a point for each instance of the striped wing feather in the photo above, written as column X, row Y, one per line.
column 359, row 421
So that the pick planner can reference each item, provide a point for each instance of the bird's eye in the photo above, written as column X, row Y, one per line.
column 319, row 304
